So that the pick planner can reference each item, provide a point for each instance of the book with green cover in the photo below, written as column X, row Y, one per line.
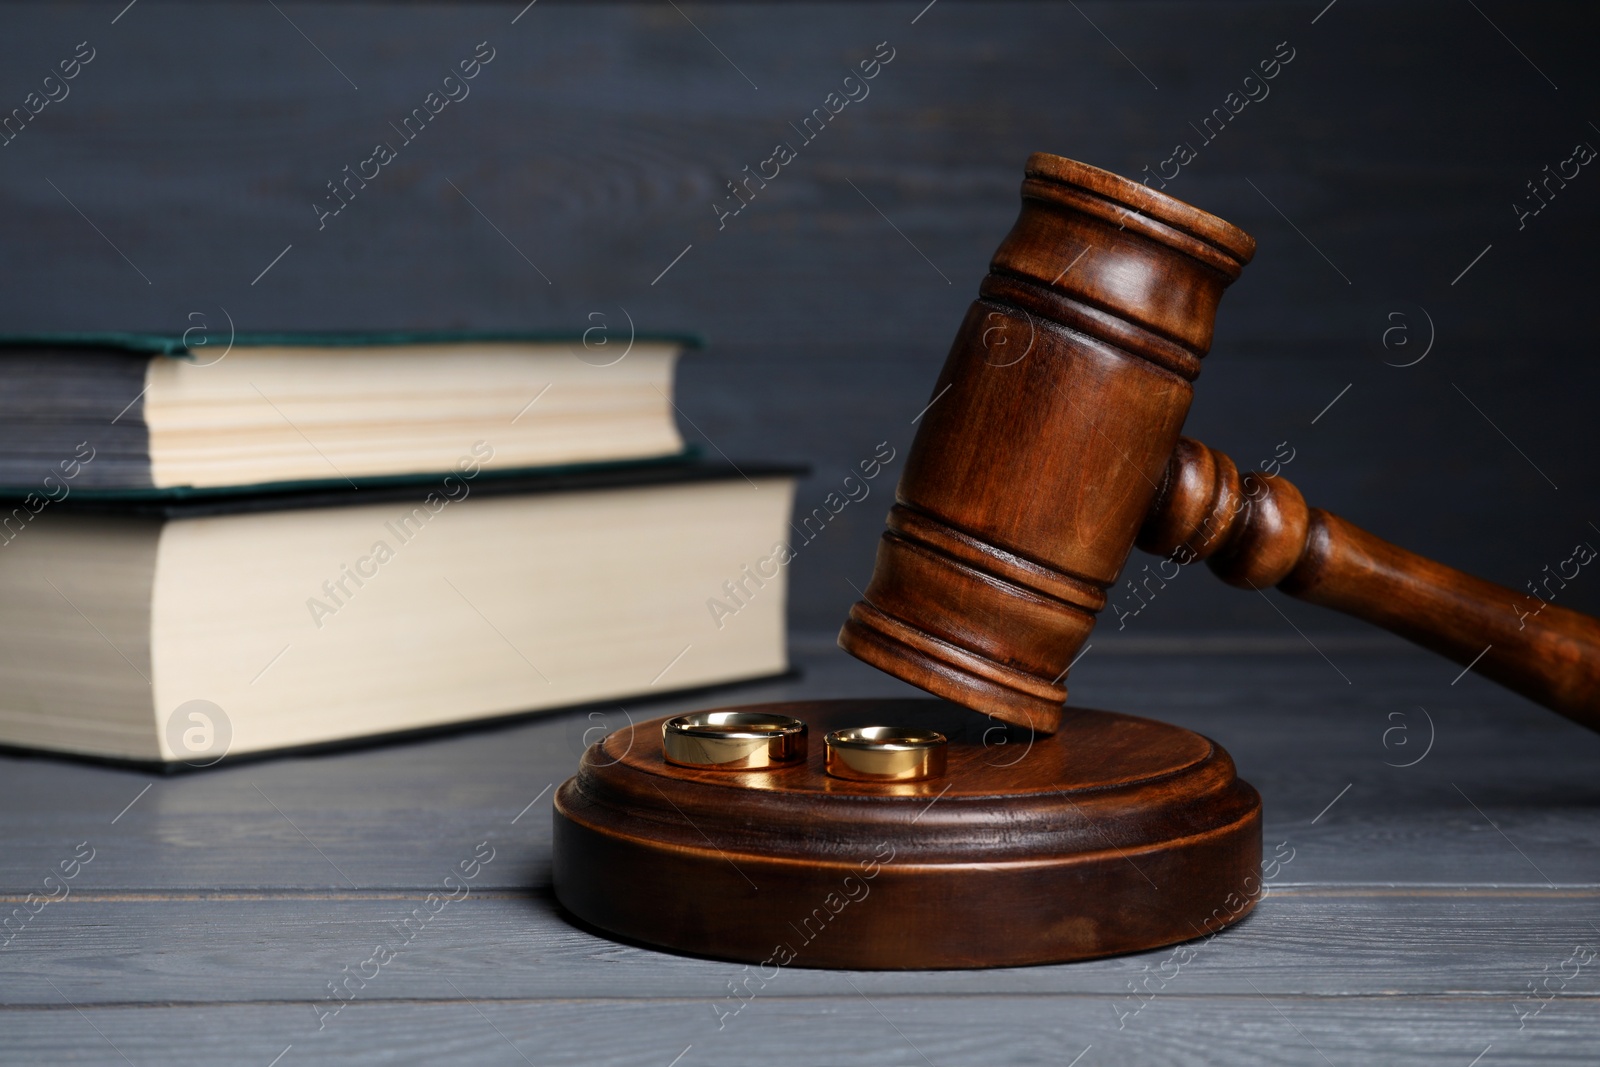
column 161, row 414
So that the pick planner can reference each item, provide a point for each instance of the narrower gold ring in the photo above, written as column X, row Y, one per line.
column 885, row 754
column 733, row 740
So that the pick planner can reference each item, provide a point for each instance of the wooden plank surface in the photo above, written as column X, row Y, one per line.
column 847, row 1028
column 1407, row 928
column 1301, row 941
column 391, row 817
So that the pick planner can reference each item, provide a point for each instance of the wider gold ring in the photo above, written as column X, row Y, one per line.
column 885, row 754
column 733, row 740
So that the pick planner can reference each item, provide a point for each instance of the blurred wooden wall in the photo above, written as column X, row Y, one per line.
column 592, row 147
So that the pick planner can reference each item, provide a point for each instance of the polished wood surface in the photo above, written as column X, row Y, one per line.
column 1048, row 431
column 1255, row 530
column 1115, row 834
column 1051, row 443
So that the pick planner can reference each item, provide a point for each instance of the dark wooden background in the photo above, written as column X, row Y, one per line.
column 596, row 141
column 1430, row 892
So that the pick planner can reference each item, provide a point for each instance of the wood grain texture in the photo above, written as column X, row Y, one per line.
column 600, row 136
column 1307, row 942
column 1024, row 491
column 1255, row 531
column 1392, row 147
column 845, row 1027
column 1037, row 459
column 1114, row 834
column 395, row 816
column 1403, row 929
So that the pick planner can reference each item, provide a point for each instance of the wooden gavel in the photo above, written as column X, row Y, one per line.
column 1051, row 447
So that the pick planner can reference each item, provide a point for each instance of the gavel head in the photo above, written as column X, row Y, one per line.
column 1045, row 442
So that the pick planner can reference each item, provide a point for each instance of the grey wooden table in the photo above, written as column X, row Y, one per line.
column 1444, row 912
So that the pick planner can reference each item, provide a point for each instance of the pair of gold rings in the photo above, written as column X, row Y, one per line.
column 754, row 741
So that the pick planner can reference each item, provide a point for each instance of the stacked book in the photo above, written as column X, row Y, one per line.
column 300, row 540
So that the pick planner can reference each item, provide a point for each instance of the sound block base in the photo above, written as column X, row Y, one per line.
column 1113, row 835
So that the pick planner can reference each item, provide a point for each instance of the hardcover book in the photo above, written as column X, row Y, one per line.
column 184, row 630
column 171, row 414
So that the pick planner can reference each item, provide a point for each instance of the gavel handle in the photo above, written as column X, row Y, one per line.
column 1256, row 531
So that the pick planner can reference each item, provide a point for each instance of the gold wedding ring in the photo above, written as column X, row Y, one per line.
column 885, row 754
column 733, row 740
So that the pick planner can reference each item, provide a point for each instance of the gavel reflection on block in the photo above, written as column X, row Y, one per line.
column 1050, row 448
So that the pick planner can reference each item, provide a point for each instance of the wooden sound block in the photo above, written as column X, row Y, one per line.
column 1114, row 834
